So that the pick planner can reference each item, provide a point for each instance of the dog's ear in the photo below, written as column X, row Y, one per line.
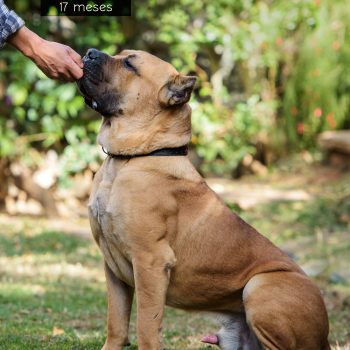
column 177, row 91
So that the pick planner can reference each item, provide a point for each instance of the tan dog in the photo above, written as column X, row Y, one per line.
column 166, row 236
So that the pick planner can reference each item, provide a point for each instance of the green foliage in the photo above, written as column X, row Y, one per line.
column 75, row 158
column 317, row 93
column 269, row 72
column 38, row 107
column 223, row 137
column 38, row 112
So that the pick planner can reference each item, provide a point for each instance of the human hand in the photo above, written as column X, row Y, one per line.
column 56, row 60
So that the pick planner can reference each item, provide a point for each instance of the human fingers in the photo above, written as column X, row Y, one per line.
column 74, row 70
column 75, row 57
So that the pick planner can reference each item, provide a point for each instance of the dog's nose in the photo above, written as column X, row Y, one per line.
column 93, row 54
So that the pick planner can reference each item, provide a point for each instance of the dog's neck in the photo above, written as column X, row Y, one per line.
column 129, row 135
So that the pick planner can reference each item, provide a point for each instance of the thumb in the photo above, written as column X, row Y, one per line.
column 74, row 69
column 75, row 57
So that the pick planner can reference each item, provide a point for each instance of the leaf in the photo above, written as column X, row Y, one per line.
column 57, row 331
column 18, row 94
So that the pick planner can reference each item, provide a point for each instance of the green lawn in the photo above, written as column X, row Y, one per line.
column 52, row 294
column 52, row 291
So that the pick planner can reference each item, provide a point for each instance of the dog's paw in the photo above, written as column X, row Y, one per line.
column 115, row 345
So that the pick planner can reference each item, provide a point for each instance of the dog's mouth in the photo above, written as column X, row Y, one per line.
column 89, row 83
column 104, row 102
column 87, row 98
column 107, row 122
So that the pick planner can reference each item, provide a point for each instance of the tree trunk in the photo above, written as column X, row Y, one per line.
column 4, row 173
column 23, row 180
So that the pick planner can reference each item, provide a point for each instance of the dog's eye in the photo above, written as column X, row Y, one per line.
column 128, row 65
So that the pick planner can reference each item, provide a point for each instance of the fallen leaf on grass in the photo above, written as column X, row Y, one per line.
column 57, row 331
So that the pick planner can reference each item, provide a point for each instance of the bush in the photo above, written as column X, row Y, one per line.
column 317, row 94
column 272, row 72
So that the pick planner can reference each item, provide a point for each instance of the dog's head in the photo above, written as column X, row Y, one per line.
column 132, row 87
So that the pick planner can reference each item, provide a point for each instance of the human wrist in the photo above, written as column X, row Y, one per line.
column 26, row 41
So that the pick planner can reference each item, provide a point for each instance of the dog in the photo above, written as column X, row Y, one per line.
column 167, row 237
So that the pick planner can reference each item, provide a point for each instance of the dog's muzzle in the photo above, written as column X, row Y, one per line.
column 98, row 93
column 93, row 76
column 94, row 61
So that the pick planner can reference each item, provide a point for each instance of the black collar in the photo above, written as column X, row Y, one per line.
column 177, row 151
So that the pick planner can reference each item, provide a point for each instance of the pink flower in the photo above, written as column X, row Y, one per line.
column 300, row 128
column 318, row 112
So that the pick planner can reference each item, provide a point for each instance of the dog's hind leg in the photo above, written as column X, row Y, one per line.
column 234, row 333
column 286, row 311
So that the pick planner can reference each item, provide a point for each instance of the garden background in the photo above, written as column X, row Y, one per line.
column 272, row 77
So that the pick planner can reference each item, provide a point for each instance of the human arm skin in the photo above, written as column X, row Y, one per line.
column 56, row 60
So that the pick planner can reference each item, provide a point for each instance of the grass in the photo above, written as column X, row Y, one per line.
column 52, row 294
column 52, row 290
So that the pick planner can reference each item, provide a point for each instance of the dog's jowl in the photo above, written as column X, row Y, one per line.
column 167, row 238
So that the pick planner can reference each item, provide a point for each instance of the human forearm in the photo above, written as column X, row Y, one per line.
column 57, row 61
column 25, row 41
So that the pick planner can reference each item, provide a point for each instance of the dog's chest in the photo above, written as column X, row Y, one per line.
column 107, row 228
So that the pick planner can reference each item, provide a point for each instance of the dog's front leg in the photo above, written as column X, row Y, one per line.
column 120, row 298
column 152, row 273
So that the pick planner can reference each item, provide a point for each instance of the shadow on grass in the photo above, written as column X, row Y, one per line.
column 14, row 342
column 281, row 220
column 44, row 242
